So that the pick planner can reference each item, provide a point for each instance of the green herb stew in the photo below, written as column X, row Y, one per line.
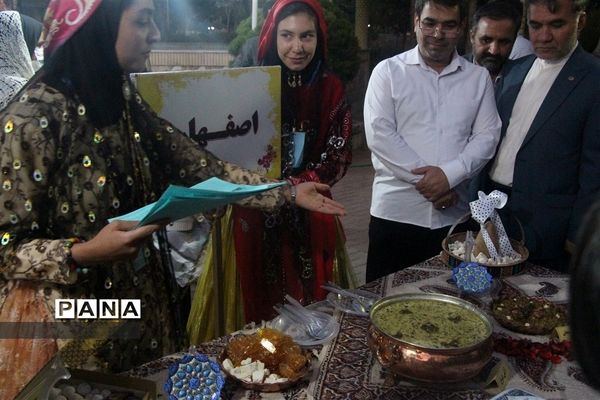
column 431, row 323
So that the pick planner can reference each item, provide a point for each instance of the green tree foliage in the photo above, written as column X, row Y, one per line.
column 230, row 11
column 390, row 16
column 343, row 46
column 242, row 33
column 343, row 56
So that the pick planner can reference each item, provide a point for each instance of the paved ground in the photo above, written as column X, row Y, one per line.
column 354, row 191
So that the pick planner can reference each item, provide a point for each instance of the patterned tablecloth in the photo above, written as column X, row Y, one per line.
column 347, row 368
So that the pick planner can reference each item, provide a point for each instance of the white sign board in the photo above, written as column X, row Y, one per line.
column 234, row 113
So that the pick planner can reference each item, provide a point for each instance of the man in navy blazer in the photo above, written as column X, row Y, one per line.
column 548, row 159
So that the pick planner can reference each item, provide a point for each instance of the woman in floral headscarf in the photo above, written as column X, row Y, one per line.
column 290, row 251
column 15, row 63
column 79, row 146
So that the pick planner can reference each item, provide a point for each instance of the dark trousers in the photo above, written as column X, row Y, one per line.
column 394, row 246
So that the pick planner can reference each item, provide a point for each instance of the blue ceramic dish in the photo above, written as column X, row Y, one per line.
column 194, row 377
column 472, row 277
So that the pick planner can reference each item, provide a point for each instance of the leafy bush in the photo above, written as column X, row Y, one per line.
column 343, row 46
column 242, row 33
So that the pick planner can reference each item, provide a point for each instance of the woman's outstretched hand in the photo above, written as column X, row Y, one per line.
column 119, row 240
column 308, row 196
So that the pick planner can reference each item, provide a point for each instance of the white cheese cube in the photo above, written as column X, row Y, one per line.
column 246, row 361
column 258, row 375
column 228, row 365
column 244, row 372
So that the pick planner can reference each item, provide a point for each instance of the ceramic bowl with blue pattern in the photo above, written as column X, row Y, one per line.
column 194, row 377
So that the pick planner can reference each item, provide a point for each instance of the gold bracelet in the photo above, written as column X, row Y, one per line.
column 67, row 245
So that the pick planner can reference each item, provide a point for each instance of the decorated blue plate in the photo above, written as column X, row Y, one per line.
column 194, row 377
column 472, row 277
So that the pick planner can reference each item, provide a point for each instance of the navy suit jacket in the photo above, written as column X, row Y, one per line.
column 557, row 169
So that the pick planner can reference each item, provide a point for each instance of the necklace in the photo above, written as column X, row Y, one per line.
column 294, row 79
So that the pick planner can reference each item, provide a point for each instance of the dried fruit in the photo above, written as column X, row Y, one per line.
column 523, row 348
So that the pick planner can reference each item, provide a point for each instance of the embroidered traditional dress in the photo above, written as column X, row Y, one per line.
column 63, row 178
column 77, row 147
column 290, row 250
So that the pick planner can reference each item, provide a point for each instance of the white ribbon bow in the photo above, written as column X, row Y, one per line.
column 485, row 208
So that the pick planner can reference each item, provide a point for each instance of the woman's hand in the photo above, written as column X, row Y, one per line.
column 119, row 240
column 308, row 196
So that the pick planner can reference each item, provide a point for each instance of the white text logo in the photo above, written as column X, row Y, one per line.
column 97, row 309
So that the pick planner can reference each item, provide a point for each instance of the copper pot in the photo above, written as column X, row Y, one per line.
column 426, row 364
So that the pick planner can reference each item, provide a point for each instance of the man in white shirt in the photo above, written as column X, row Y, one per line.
column 521, row 48
column 431, row 124
column 549, row 158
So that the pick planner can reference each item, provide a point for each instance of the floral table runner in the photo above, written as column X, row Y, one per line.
column 347, row 369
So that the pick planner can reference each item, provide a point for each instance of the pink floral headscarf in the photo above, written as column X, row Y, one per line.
column 63, row 18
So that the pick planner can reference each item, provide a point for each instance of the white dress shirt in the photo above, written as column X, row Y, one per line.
column 415, row 117
column 534, row 90
column 521, row 48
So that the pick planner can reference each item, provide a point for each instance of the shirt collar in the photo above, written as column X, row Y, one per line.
column 560, row 62
column 414, row 57
column 497, row 78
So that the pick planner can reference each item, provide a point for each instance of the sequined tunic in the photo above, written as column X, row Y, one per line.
column 63, row 178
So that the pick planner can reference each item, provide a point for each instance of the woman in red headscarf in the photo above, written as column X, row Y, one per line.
column 291, row 251
column 79, row 146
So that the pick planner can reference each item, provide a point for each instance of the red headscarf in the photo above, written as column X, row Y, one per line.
column 63, row 18
column 270, row 27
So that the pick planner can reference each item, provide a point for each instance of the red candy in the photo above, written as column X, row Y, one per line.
column 523, row 348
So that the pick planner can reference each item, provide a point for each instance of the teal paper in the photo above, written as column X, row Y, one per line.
column 178, row 202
